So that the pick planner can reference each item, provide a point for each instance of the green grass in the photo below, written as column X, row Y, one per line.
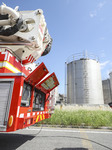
column 74, row 118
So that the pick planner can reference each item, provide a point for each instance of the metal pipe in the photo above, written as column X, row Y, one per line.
column 4, row 22
column 7, row 10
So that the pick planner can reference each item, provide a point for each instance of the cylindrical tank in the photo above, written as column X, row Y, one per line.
column 84, row 84
column 107, row 91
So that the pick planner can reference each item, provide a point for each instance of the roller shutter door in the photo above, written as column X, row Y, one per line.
column 5, row 99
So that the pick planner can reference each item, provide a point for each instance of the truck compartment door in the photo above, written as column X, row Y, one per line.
column 48, row 84
column 37, row 75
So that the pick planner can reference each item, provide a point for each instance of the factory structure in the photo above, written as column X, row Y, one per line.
column 107, row 91
column 84, row 84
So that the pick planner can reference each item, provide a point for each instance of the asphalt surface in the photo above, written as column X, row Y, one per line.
column 56, row 139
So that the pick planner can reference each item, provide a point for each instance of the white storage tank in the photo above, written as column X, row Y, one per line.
column 84, row 84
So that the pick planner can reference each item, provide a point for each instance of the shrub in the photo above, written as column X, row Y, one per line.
column 74, row 118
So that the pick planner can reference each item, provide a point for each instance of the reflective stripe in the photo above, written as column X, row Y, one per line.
column 18, row 111
column 9, row 66
column 21, row 91
column 28, row 114
column 21, row 116
column 33, row 113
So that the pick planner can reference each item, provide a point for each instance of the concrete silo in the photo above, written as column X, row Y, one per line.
column 84, row 85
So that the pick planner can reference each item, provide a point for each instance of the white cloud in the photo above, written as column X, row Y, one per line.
column 102, row 65
column 101, row 4
column 93, row 14
column 98, row 8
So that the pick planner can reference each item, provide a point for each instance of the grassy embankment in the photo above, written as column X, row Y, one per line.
column 80, row 117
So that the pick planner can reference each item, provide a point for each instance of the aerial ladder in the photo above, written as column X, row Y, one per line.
column 25, row 88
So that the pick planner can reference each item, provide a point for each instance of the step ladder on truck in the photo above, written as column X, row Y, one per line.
column 25, row 93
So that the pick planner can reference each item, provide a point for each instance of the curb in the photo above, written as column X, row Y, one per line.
column 70, row 126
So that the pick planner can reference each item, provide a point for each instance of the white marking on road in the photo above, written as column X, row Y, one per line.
column 73, row 131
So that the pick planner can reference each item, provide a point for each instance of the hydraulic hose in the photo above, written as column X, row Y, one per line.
column 11, row 30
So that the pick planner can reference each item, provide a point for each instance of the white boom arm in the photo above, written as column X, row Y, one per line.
column 24, row 33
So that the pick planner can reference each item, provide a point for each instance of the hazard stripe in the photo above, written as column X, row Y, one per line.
column 42, row 117
column 37, row 118
column 9, row 66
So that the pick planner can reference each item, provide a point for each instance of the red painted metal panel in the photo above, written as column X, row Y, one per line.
column 37, row 75
column 48, row 84
column 5, row 70
column 12, row 61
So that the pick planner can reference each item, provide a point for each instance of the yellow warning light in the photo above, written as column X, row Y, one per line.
column 10, row 121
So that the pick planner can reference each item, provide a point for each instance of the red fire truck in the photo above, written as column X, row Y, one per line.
column 25, row 94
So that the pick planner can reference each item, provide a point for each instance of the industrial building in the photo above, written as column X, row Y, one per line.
column 107, row 91
column 110, row 74
column 83, row 83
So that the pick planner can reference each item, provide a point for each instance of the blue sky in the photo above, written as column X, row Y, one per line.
column 75, row 26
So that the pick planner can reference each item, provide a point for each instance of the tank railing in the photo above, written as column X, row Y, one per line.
column 84, row 55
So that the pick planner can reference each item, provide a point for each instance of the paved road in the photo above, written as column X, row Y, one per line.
column 56, row 139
